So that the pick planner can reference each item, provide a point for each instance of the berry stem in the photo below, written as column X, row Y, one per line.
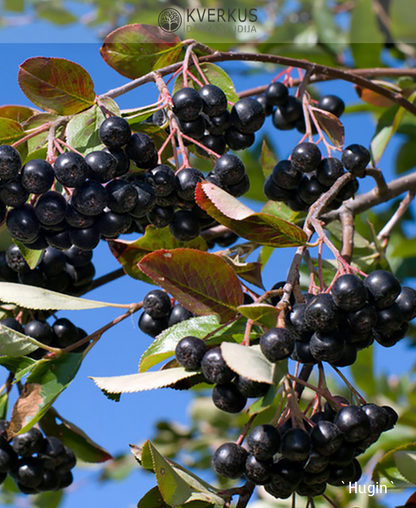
column 245, row 430
column 349, row 385
column 321, row 276
column 189, row 73
column 198, row 67
column 195, row 142
column 249, row 326
column 165, row 144
column 63, row 143
column 330, row 501
column 186, row 64
column 37, row 131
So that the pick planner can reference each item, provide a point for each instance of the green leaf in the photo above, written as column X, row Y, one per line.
column 18, row 113
column 4, row 406
column 192, row 276
column 406, row 464
column 387, row 126
column 386, row 470
column 31, row 297
column 215, row 75
column 268, row 159
column 260, row 312
column 49, row 499
column 406, row 156
column 39, row 141
column 248, row 362
column 56, row 85
column 281, row 210
column 263, row 403
column 363, row 372
column 14, row 5
column 31, row 256
column 143, row 381
column 403, row 20
column 129, row 254
column 329, row 32
column 83, row 129
column 152, row 499
column 177, row 485
column 21, row 365
column 365, row 37
column 44, row 385
column 72, row 436
column 54, row 13
column 135, row 50
column 14, row 343
column 257, row 227
column 164, row 345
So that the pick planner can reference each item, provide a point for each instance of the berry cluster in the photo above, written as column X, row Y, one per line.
column 70, row 271
column 304, row 459
column 231, row 391
column 300, row 181
column 37, row 463
column 203, row 116
column 63, row 333
column 159, row 314
column 332, row 327
column 287, row 111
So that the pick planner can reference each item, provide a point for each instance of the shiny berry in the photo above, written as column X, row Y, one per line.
column 115, row 132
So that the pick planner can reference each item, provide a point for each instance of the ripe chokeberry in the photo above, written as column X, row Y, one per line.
column 85, row 239
column 227, row 398
column 194, row 129
column 327, row 347
column 189, row 352
column 10, row 162
column 251, row 389
column 285, row 175
column 22, row 223
column 28, row 443
column 12, row 193
column 151, row 326
column 157, row 304
column 268, row 108
column 326, row 438
column 146, row 199
column 306, row 157
column 237, row 140
column 103, row 166
column 296, row 445
column 90, row 198
column 71, row 170
column 162, row 179
column 214, row 367
column 247, row 115
column 277, row 94
column 321, row 313
column 229, row 460
column 214, row 143
column 407, row 303
column 50, row 208
column 142, row 151
column 230, row 169
column 328, row 171
column 353, row 422
column 264, row 441
column 280, row 122
column 217, row 125
column 214, row 100
column 355, row 159
column 187, row 180
column 349, row 293
column 122, row 196
column 257, row 471
column 187, row 104
column 184, row 226
column 333, row 104
column 179, row 314
column 277, row 344
column 115, row 132
column 15, row 259
column 310, row 189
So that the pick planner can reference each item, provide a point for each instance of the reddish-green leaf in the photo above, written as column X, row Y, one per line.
column 129, row 254
column 257, row 227
column 373, row 98
column 331, row 125
column 267, row 159
column 18, row 113
column 193, row 277
column 56, row 85
column 251, row 272
column 10, row 131
column 135, row 50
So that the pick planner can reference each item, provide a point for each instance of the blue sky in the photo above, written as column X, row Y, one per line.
column 115, row 425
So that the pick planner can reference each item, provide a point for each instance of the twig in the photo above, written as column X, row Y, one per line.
column 245, row 430
column 396, row 217
column 31, row 135
column 245, row 497
column 330, row 501
column 349, row 385
column 347, row 228
column 379, row 179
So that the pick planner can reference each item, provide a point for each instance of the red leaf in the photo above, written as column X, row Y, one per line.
column 260, row 228
column 136, row 50
column 130, row 253
column 331, row 125
column 17, row 113
column 202, row 282
column 56, row 85
column 373, row 98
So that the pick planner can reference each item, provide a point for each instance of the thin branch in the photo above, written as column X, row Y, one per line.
column 108, row 277
column 395, row 219
column 347, row 227
column 245, row 497
column 364, row 202
column 321, row 70
column 379, row 179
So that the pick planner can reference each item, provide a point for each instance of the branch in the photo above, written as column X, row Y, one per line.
column 108, row 277
column 245, row 497
column 319, row 70
column 347, row 226
column 403, row 207
column 364, row 202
